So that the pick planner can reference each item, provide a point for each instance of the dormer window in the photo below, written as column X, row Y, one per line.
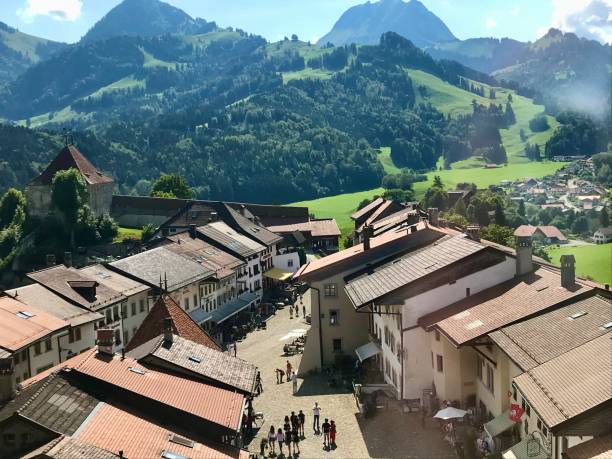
column 85, row 288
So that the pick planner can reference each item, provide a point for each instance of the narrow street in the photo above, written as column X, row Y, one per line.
column 388, row 434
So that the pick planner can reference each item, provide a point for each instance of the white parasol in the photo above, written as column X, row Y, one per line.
column 450, row 413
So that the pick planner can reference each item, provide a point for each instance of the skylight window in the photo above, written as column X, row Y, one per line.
column 577, row 315
column 138, row 371
column 195, row 359
column 171, row 455
column 24, row 314
column 608, row 326
column 174, row 438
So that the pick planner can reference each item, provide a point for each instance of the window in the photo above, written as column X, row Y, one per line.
column 37, row 350
column 9, row 439
column 26, row 375
column 142, row 305
column 545, row 431
column 134, row 308
column 333, row 317
column 539, row 424
column 289, row 263
column 330, row 290
column 124, row 311
column 109, row 316
column 186, row 302
column 74, row 334
column 24, row 355
column 437, row 335
column 479, row 365
column 514, row 395
column 337, row 345
column 117, row 336
column 115, row 313
column 195, row 300
column 16, row 358
column 431, row 359
column 490, row 379
column 126, row 336
column 467, row 291
column 439, row 363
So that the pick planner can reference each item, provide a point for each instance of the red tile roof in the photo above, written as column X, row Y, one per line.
column 525, row 230
column 183, row 325
column 115, row 429
column 70, row 157
column 552, row 231
column 70, row 363
column 219, row 406
column 17, row 331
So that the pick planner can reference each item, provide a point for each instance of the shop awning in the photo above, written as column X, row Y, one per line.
column 499, row 424
column 278, row 274
column 228, row 310
column 528, row 448
column 367, row 350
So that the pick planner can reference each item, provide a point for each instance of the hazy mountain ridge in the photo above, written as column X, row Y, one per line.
column 153, row 18
column 364, row 24
column 18, row 51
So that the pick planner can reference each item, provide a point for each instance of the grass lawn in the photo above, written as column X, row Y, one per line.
column 307, row 73
column 123, row 83
column 128, row 233
column 385, row 159
column 594, row 261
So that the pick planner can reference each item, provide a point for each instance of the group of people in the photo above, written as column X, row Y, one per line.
column 295, row 310
column 291, row 376
column 329, row 427
column 289, row 435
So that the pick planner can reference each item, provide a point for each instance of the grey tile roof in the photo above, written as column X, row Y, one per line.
column 56, row 279
column 70, row 448
column 37, row 296
column 216, row 366
column 148, row 266
column 409, row 268
column 245, row 226
column 59, row 406
column 570, row 384
column 534, row 341
column 114, row 280
column 221, row 234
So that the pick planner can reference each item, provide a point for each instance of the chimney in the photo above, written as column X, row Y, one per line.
column 568, row 271
column 50, row 260
column 120, row 454
column 106, row 341
column 433, row 215
column 243, row 210
column 168, row 333
column 192, row 231
column 524, row 254
column 368, row 233
column 7, row 379
column 68, row 259
column 473, row 232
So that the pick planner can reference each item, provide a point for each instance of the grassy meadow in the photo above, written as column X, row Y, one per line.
column 594, row 261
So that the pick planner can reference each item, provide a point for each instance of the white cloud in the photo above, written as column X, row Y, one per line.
column 59, row 10
column 586, row 18
column 515, row 11
column 490, row 23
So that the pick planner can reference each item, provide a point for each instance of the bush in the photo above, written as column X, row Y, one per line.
column 147, row 232
column 539, row 123
column 107, row 228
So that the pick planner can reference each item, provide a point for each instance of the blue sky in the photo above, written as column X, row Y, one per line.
column 68, row 20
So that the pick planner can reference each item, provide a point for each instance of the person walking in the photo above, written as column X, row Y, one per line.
column 263, row 446
column 280, row 438
column 235, row 348
column 295, row 383
column 258, row 384
column 294, row 420
column 289, row 368
column 301, row 422
column 304, row 311
column 295, row 438
column 316, row 413
column 272, row 440
column 332, row 433
column 326, row 426
column 279, row 376
column 288, row 435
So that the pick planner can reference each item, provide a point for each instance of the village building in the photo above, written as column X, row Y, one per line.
column 81, row 335
column 29, row 343
column 603, row 235
column 85, row 292
column 318, row 235
column 546, row 235
column 160, row 268
column 182, row 325
column 373, row 212
column 99, row 186
column 119, row 405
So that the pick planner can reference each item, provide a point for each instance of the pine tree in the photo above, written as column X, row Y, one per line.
column 510, row 117
column 604, row 218
column 460, row 208
column 521, row 208
column 500, row 216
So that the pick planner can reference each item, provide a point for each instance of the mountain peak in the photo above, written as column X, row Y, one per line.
column 365, row 23
column 154, row 18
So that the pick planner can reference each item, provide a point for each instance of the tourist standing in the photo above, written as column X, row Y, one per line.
column 295, row 438
column 258, row 384
column 332, row 432
column 294, row 381
column 235, row 348
column 279, row 376
column 263, row 446
column 287, row 434
column 326, row 426
column 272, row 439
column 289, row 368
column 280, row 438
column 316, row 413
column 301, row 422
column 304, row 311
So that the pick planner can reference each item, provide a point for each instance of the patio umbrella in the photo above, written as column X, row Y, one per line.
column 450, row 413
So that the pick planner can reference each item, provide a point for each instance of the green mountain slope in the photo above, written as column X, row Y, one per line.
column 18, row 51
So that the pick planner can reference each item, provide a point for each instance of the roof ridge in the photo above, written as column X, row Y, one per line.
column 27, row 403
column 546, row 393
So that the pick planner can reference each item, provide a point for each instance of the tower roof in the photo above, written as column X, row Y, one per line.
column 70, row 157
column 182, row 324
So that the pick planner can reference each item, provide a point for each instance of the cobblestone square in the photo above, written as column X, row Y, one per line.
column 387, row 434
